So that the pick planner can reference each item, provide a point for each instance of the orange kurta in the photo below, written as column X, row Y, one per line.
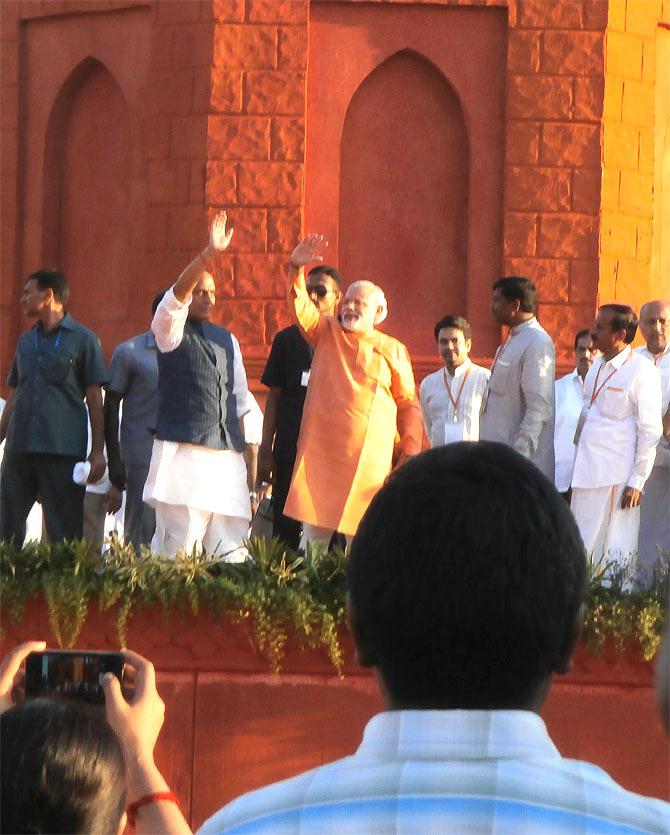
column 361, row 389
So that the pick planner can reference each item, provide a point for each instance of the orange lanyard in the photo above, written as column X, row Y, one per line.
column 455, row 402
column 598, row 388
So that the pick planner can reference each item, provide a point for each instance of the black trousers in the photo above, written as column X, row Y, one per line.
column 287, row 529
column 25, row 477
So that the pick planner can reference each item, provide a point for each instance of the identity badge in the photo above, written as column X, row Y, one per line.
column 453, row 432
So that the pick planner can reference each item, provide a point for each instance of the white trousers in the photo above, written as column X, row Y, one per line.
column 610, row 533
column 181, row 527
column 314, row 533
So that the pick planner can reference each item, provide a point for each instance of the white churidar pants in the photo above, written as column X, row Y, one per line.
column 610, row 533
column 179, row 526
column 315, row 533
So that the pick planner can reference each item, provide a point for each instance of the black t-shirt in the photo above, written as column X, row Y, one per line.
column 290, row 357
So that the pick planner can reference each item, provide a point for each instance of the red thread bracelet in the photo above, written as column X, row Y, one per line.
column 133, row 807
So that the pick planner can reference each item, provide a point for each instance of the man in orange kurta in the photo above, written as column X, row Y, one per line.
column 361, row 391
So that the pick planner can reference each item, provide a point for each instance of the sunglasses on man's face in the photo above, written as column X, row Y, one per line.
column 319, row 290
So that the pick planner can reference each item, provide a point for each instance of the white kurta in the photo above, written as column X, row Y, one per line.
column 212, row 480
column 655, row 505
column 623, row 424
column 569, row 399
column 442, row 421
column 616, row 448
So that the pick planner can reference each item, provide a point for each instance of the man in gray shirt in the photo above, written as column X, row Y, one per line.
column 518, row 407
column 134, row 380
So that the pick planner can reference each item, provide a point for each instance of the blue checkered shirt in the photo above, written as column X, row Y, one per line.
column 455, row 771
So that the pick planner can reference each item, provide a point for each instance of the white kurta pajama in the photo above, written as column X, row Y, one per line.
column 200, row 494
column 655, row 505
column 569, row 401
column 616, row 449
column 450, row 404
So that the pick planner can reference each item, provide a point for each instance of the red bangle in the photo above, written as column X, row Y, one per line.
column 133, row 807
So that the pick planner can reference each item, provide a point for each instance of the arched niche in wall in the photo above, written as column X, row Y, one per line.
column 87, row 193
column 403, row 208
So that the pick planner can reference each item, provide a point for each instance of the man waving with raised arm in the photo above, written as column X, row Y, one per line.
column 361, row 392
column 197, row 480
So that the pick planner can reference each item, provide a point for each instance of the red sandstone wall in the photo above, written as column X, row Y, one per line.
column 221, row 125
column 167, row 145
column 554, row 108
column 231, row 726
column 255, row 159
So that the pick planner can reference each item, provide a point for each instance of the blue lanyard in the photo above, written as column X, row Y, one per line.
column 56, row 343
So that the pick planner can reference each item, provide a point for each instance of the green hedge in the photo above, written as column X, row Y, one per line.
column 278, row 592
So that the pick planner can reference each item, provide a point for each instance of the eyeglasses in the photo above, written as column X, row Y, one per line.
column 319, row 290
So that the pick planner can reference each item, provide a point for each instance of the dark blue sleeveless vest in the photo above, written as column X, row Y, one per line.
column 196, row 404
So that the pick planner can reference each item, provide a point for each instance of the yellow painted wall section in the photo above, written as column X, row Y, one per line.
column 633, row 119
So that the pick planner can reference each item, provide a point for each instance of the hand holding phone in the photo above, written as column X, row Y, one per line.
column 71, row 674
column 137, row 718
column 11, row 675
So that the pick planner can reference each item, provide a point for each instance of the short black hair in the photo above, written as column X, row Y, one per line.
column 518, row 287
column 61, row 770
column 329, row 271
column 466, row 575
column 624, row 318
column 453, row 322
column 581, row 335
column 158, row 298
column 50, row 279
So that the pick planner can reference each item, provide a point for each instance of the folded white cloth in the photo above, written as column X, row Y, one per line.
column 81, row 472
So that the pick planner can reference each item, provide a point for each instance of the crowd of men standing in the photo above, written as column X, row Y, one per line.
column 341, row 412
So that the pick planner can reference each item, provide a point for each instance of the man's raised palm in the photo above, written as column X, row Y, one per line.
column 307, row 251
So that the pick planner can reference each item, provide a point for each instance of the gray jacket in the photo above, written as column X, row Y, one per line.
column 520, row 407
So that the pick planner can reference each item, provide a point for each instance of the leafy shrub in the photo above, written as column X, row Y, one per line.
column 278, row 591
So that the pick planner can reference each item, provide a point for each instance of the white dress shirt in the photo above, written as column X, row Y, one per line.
column 212, row 480
column 569, row 400
column 661, row 362
column 623, row 422
column 443, row 423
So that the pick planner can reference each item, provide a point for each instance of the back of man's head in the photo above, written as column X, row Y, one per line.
column 518, row 287
column 62, row 771
column 466, row 579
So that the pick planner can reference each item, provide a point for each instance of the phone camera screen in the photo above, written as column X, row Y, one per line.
column 70, row 675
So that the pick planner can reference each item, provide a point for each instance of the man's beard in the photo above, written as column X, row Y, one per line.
column 353, row 324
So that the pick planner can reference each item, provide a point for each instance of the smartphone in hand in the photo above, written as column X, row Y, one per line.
column 70, row 674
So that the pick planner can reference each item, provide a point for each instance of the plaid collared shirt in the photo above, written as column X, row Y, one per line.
column 447, row 771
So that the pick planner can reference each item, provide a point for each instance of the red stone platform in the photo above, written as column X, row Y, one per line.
column 232, row 726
